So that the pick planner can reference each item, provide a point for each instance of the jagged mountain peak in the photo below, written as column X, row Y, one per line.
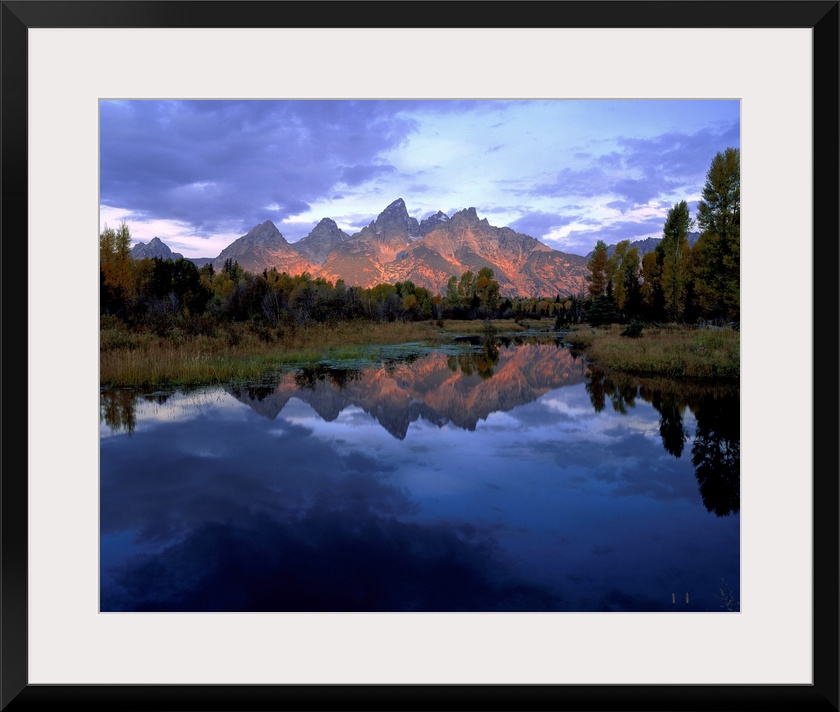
column 263, row 232
column 326, row 226
column 263, row 247
column 319, row 243
column 430, row 223
column 397, row 206
column 469, row 216
column 395, row 218
column 154, row 248
column 265, row 235
column 395, row 248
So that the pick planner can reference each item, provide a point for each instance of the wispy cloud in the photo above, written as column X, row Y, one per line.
column 201, row 173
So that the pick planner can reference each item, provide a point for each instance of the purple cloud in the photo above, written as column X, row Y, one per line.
column 220, row 165
column 644, row 170
column 537, row 224
column 356, row 175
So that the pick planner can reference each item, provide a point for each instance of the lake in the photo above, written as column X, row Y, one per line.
column 505, row 477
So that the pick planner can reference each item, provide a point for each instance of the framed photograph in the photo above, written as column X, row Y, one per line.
column 118, row 558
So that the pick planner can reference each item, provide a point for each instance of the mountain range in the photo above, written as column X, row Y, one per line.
column 396, row 247
column 647, row 245
column 154, row 248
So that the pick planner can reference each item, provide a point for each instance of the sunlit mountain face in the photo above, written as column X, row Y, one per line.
column 261, row 247
column 395, row 247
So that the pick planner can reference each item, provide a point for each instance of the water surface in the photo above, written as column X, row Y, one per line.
column 506, row 478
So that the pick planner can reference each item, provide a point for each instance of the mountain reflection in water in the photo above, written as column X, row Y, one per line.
column 500, row 479
column 458, row 389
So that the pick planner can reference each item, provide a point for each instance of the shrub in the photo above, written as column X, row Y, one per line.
column 262, row 332
column 633, row 330
column 198, row 325
column 233, row 334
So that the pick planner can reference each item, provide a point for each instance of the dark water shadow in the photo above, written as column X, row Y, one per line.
column 716, row 450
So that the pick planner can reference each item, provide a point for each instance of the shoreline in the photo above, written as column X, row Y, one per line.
column 242, row 352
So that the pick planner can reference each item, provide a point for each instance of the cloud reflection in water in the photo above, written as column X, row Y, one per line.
column 546, row 505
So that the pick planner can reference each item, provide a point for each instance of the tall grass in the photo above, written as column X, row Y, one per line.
column 477, row 326
column 669, row 351
column 238, row 352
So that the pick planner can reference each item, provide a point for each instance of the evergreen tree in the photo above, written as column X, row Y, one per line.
column 719, row 247
column 628, row 296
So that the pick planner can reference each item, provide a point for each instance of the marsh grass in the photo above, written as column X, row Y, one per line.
column 478, row 326
column 243, row 352
column 680, row 351
column 239, row 352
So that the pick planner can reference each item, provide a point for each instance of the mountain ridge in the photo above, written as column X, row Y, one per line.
column 647, row 245
column 396, row 247
column 154, row 248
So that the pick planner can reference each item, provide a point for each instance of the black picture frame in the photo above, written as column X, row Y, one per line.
column 18, row 16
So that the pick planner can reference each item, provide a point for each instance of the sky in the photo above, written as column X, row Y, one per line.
column 199, row 174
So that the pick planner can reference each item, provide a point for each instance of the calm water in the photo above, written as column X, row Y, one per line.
column 505, row 479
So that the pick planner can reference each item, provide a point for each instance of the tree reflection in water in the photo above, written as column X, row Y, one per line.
column 716, row 451
column 470, row 479
column 118, row 407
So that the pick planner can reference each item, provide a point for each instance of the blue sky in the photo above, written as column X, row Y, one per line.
column 199, row 174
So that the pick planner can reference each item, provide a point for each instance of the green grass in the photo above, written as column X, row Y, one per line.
column 680, row 351
column 244, row 352
column 144, row 359
column 241, row 352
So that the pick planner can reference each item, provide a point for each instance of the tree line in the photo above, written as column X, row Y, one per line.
column 677, row 282
column 163, row 293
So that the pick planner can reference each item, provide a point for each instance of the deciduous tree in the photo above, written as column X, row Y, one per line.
column 487, row 290
column 652, row 297
column 597, row 267
column 674, row 256
column 117, row 278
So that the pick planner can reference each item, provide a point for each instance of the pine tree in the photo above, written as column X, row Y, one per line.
column 718, row 250
column 628, row 297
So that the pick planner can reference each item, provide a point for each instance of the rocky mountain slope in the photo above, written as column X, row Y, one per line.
column 154, row 248
column 395, row 247
column 263, row 247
